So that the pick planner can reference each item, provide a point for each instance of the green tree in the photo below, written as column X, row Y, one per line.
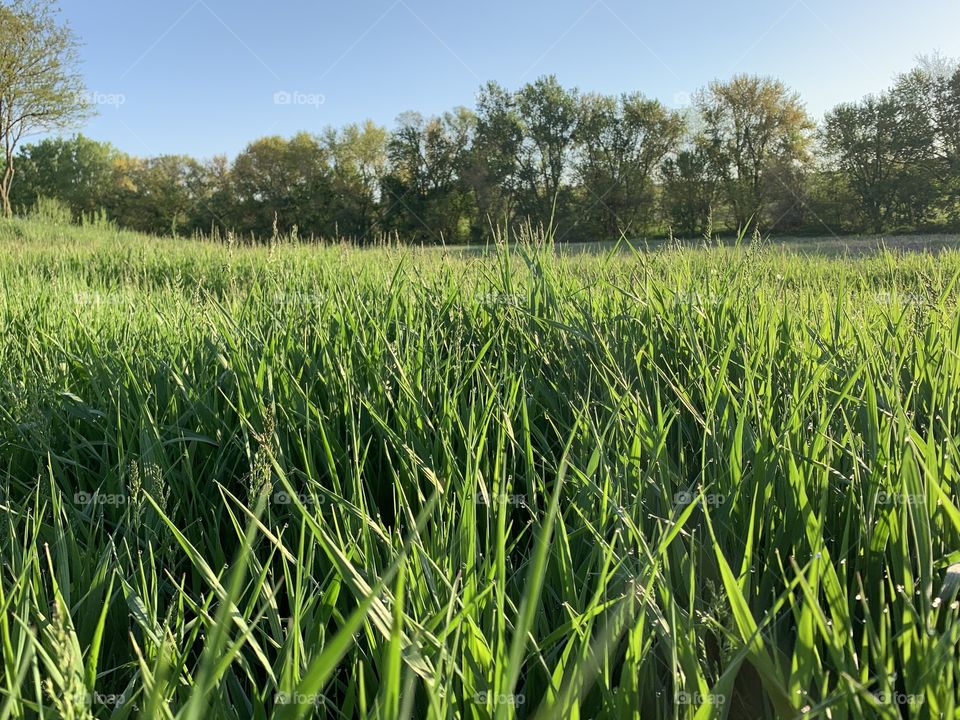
column 424, row 195
column 40, row 89
column 358, row 155
column 929, row 104
column 622, row 142
column 160, row 195
column 754, row 129
column 216, row 198
column 287, row 181
column 879, row 147
column 524, row 150
column 549, row 116
column 689, row 191
column 949, row 133
column 490, row 168
column 77, row 170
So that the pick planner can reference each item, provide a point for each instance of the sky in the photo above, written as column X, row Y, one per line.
column 206, row 77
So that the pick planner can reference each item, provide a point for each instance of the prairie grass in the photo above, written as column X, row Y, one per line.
column 401, row 483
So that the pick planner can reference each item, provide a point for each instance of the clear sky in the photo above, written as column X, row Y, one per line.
column 207, row 76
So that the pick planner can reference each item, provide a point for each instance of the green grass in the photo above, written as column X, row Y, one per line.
column 328, row 482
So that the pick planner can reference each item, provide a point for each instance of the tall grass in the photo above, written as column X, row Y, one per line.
column 326, row 482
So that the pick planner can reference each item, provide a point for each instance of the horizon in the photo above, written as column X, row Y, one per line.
column 250, row 75
column 606, row 399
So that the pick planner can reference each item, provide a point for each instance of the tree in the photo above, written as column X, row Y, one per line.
column 879, row 152
column 524, row 150
column 491, row 165
column 950, row 137
column 689, row 191
column 622, row 142
column 548, row 115
column 423, row 192
column 160, row 195
column 929, row 100
column 40, row 89
column 753, row 129
column 284, row 180
column 215, row 198
column 77, row 171
column 358, row 155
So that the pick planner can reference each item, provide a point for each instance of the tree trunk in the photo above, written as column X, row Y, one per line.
column 6, row 183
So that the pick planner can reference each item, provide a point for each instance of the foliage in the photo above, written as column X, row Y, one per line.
column 754, row 131
column 282, row 184
column 623, row 142
column 690, row 192
column 322, row 481
column 77, row 171
column 359, row 159
column 425, row 195
column 40, row 89
column 589, row 166
column 899, row 152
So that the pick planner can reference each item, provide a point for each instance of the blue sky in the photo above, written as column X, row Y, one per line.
column 207, row 76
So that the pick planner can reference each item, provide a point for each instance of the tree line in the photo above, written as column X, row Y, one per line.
column 744, row 155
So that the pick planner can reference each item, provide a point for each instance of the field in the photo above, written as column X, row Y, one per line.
column 300, row 481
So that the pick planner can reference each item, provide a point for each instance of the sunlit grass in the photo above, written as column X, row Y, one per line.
column 327, row 482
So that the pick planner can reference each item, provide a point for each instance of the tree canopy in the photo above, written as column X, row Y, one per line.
column 745, row 156
column 40, row 88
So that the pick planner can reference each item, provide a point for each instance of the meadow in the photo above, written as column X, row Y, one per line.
column 320, row 481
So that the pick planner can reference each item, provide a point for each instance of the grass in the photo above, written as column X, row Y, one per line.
column 327, row 482
column 824, row 245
